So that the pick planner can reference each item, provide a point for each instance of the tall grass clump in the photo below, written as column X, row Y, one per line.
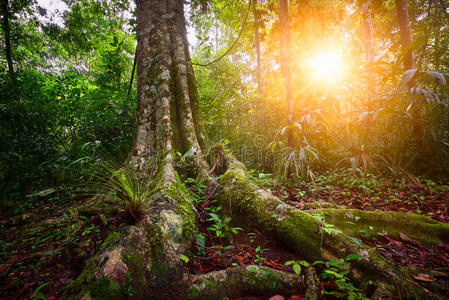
column 122, row 185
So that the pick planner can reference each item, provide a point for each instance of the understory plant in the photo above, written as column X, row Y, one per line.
column 125, row 187
column 337, row 271
column 221, row 227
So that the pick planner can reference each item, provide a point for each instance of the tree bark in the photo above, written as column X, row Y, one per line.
column 409, row 63
column 405, row 32
column 7, row 32
column 286, row 68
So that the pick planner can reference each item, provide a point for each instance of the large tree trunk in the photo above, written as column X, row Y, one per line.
column 7, row 33
column 409, row 63
column 143, row 260
column 286, row 68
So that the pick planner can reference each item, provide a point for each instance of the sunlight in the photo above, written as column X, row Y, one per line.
column 326, row 66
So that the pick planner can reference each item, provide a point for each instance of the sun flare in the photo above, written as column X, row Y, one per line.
column 326, row 66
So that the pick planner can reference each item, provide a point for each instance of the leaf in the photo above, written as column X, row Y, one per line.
column 273, row 145
column 42, row 193
column 304, row 263
column 252, row 268
column 188, row 154
column 36, row 291
column 184, row 258
column 436, row 76
column 297, row 269
column 408, row 76
column 263, row 176
column 357, row 241
column 353, row 256
column 424, row 277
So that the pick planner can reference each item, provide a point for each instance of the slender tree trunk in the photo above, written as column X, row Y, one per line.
column 7, row 32
column 437, row 27
column 409, row 63
column 286, row 68
column 257, row 46
column 368, row 44
column 369, row 57
column 405, row 32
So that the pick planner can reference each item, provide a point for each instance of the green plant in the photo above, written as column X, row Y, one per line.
column 325, row 227
column 259, row 252
column 299, row 158
column 337, row 270
column 37, row 294
column 221, row 227
column 200, row 242
column 252, row 236
column 184, row 258
column 126, row 187
column 296, row 265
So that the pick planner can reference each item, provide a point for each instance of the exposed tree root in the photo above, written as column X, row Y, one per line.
column 244, row 281
column 421, row 228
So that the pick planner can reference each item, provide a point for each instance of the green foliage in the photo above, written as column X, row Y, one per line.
column 221, row 227
column 325, row 227
column 259, row 254
column 127, row 188
column 200, row 241
column 53, row 127
column 296, row 265
column 337, row 270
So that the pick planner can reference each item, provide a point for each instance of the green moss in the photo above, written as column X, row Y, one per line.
column 155, row 239
column 370, row 223
column 263, row 281
column 159, row 270
column 86, row 276
column 111, row 237
column 298, row 230
column 303, row 233
column 184, row 208
column 193, row 293
column 105, row 288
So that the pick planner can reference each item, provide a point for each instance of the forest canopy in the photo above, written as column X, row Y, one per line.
column 301, row 142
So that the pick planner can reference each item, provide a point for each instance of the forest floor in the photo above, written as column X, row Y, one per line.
column 45, row 244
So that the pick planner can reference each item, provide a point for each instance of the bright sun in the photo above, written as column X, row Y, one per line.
column 326, row 66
